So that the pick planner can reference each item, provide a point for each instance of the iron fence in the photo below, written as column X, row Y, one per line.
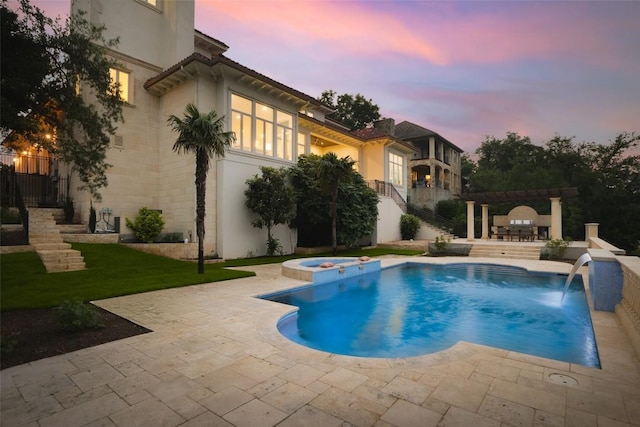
column 37, row 190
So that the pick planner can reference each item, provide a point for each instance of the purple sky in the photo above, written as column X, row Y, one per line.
column 462, row 69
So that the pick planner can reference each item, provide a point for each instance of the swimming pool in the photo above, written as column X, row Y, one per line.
column 416, row 309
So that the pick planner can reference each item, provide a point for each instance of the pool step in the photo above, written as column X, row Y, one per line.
column 505, row 251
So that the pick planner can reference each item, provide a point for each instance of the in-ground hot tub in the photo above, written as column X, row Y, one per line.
column 328, row 269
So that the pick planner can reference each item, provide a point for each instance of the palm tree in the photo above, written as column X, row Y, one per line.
column 204, row 135
column 331, row 172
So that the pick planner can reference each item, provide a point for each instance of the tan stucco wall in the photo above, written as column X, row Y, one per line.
column 522, row 212
column 161, row 36
column 388, row 226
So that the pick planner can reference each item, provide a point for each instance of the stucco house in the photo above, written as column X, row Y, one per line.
column 166, row 64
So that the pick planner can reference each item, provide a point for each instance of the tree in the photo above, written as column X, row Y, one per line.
column 46, row 67
column 330, row 173
column 355, row 111
column 467, row 169
column 272, row 199
column 612, row 197
column 203, row 135
column 512, row 163
column 357, row 206
column 607, row 177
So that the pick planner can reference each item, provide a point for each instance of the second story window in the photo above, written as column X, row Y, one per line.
column 121, row 80
column 396, row 169
column 262, row 129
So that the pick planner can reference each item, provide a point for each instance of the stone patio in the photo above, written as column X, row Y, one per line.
column 215, row 358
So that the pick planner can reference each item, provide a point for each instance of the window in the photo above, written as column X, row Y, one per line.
column 258, row 125
column 302, row 144
column 121, row 80
column 285, row 136
column 396, row 169
column 241, row 109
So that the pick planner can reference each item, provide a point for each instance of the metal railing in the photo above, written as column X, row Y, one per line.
column 36, row 190
column 429, row 216
column 387, row 189
column 11, row 196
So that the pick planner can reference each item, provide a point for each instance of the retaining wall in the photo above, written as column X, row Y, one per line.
column 628, row 311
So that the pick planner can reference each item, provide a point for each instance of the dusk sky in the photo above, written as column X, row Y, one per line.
column 462, row 69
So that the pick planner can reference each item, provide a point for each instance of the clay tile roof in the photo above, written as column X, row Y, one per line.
column 221, row 59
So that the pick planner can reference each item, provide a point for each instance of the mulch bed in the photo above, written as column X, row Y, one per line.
column 29, row 335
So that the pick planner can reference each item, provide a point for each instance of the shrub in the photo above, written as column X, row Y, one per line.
column 69, row 211
column 147, row 225
column 273, row 246
column 441, row 243
column 75, row 315
column 7, row 344
column 9, row 215
column 409, row 226
column 172, row 238
column 556, row 248
column 92, row 219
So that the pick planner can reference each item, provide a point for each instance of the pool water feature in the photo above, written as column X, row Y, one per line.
column 417, row 309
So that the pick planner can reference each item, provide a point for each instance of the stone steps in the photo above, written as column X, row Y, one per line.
column 46, row 239
column 50, row 246
column 72, row 228
column 505, row 251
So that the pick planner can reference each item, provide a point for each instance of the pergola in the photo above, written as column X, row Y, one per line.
column 555, row 195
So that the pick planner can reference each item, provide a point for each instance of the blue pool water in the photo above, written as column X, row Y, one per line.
column 417, row 309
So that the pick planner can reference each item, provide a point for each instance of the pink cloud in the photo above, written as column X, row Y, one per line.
column 345, row 25
column 438, row 32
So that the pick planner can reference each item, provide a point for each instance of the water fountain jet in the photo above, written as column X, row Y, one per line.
column 582, row 260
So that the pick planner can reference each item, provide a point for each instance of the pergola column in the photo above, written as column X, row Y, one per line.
column 485, row 221
column 556, row 218
column 470, row 221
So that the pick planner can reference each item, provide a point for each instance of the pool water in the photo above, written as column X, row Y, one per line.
column 416, row 309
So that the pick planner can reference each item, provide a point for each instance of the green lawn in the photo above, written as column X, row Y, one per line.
column 114, row 270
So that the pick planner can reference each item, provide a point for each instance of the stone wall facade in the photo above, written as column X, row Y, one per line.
column 170, row 250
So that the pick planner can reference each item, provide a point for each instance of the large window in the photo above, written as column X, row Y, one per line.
column 121, row 79
column 258, row 125
column 396, row 169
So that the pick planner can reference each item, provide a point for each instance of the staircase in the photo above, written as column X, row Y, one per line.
column 45, row 237
column 505, row 251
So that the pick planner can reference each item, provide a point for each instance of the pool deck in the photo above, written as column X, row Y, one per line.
column 215, row 358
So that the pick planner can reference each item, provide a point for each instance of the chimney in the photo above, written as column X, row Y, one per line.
column 387, row 125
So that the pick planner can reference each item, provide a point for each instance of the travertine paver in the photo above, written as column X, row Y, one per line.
column 457, row 417
column 86, row 412
column 404, row 413
column 226, row 401
column 301, row 374
column 289, row 398
column 408, row 390
column 148, row 413
column 255, row 414
column 460, row 392
column 310, row 416
column 506, row 411
column 215, row 358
